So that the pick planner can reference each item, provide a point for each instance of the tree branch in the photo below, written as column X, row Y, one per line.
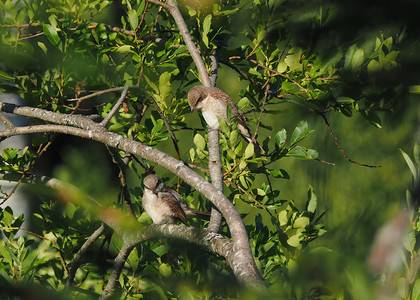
column 131, row 231
column 115, row 107
column 243, row 265
column 215, row 169
column 116, row 271
column 183, row 30
column 79, row 256
column 341, row 149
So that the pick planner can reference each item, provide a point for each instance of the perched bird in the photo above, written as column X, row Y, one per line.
column 213, row 103
column 164, row 205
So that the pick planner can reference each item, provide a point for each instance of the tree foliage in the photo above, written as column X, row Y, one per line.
column 125, row 69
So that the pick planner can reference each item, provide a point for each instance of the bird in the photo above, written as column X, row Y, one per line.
column 213, row 103
column 164, row 205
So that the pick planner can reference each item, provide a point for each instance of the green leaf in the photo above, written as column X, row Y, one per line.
column 282, row 67
column 279, row 173
column 293, row 60
column 415, row 294
column 206, row 29
column 345, row 100
column 283, row 217
column 125, row 49
column 233, row 137
column 409, row 241
column 249, row 151
column 42, row 46
column 199, row 142
column 301, row 222
column 349, row 56
column 165, row 85
column 6, row 76
column 303, row 153
column 51, row 34
column 294, row 240
column 280, row 137
column 165, row 270
column 160, row 250
column 301, row 131
column 357, row 59
column 133, row 19
column 411, row 165
column 416, row 153
column 192, row 154
column 4, row 251
column 312, row 200
column 414, row 89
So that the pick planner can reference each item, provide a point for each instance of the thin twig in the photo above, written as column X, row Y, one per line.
column 79, row 256
column 248, row 194
column 324, row 162
column 274, row 72
column 63, row 263
column 100, row 93
column 193, row 166
column 125, row 193
column 261, row 112
column 115, row 107
column 41, row 150
column 341, row 149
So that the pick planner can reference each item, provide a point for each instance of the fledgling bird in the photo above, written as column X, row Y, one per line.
column 164, row 205
column 213, row 103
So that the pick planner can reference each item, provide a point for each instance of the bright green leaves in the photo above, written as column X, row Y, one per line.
column 413, row 166
column 133, row 19
column 384, row 57
column 16, row 160
column 301, row 132
column 206, row 30
column 354, row 58
column 249, row 151
column 293, row 59
column 17, row 260
column 301, row 227
column 280, row 138
column 162, row 90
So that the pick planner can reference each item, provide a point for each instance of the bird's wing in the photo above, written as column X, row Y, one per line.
column 173, row 199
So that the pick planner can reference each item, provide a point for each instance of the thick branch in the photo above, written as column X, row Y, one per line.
column 243, row 265
column 116, row 271
column 215, row 168
column 212, row 242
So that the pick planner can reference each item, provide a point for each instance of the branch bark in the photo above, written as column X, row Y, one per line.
column 213, row 242
column 243, row 265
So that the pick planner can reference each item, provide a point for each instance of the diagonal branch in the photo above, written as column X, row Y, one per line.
column 183, row 29
column 115, row 107
column 119, row 262
column 243, row 265
column 79, row 256
column 131, row 231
